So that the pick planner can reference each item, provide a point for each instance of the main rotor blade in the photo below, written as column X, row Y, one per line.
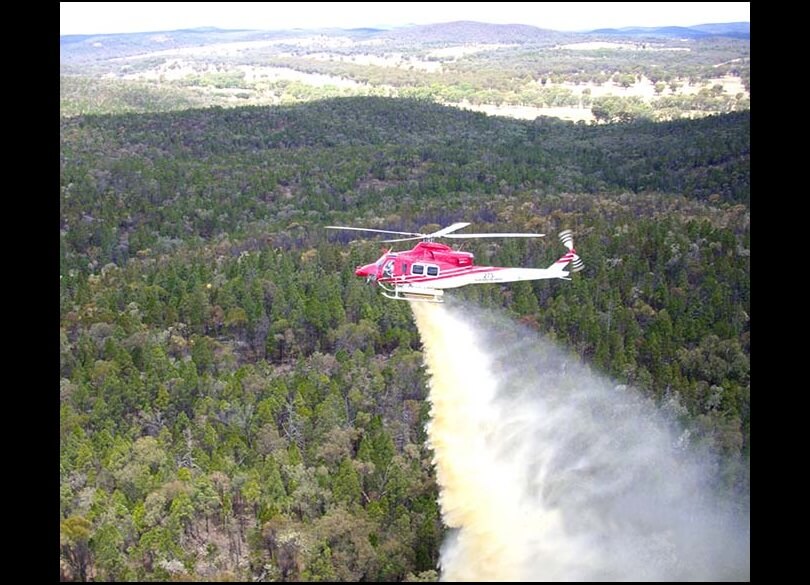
column 342, row 227
column 494, row 235
column 451, row 228
column 405, row 239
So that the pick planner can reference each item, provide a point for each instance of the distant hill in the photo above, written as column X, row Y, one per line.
column 90, row 48
column 105, row 46
column 365, row 30
column 735, row 30
column 475, row 32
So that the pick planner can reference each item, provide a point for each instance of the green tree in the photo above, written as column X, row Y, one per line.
column 75, row 533
column 346, row 484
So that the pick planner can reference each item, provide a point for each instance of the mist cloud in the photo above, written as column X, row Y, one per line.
column 548, row 471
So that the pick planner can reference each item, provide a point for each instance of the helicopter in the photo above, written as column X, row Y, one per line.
column 425, row 271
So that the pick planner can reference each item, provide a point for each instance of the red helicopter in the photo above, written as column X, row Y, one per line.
column 421, row 274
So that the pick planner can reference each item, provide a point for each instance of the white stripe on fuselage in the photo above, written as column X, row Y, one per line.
column 455, row 277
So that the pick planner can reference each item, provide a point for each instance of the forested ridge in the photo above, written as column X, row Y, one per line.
column 236, row 404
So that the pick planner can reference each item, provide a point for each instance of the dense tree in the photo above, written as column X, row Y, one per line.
column 235, row 403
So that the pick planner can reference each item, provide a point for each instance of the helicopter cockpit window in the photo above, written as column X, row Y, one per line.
column 417, row 269
column 388, row 269
column 433, row 270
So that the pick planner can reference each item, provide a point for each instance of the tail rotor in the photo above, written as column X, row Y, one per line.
column 567, row 239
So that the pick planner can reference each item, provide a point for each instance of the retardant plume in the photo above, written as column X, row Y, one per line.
column 549, row 472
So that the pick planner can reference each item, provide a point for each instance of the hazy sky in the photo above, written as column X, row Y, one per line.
column 119, row 17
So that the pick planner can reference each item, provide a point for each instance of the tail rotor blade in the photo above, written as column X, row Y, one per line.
column 567, row 239
column 576, row 264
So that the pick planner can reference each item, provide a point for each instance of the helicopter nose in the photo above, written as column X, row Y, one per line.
column 369, row 271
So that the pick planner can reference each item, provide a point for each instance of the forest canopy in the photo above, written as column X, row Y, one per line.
column 236, row 404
